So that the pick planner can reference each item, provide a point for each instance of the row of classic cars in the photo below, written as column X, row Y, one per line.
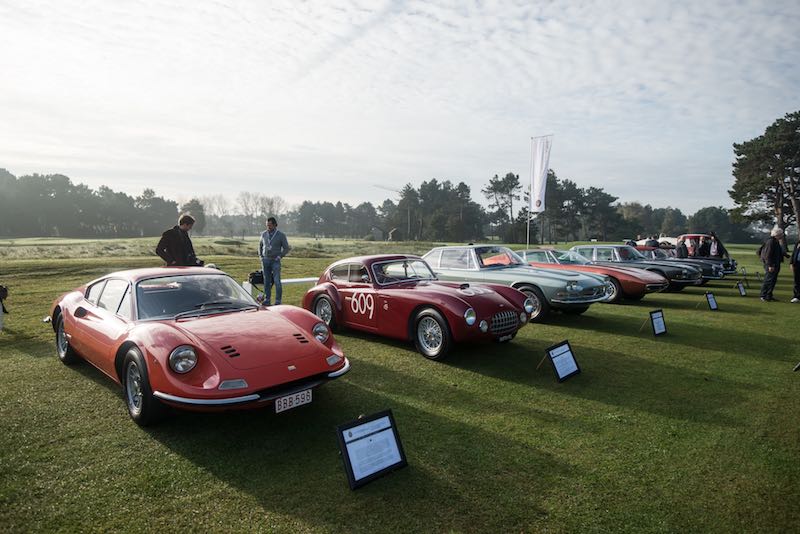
column 193, row 338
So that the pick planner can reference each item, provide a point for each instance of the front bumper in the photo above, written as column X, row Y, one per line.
column 655, row 288
column 264, row 396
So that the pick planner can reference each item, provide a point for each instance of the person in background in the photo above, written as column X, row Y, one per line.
column 175, row 246
column 272, row 247
column 704, row 250
column 680, row 249
column 794, row 261
column 772, row 257
column 691, row 247
column 3, row 310
column 717, row 249
column 651, row 242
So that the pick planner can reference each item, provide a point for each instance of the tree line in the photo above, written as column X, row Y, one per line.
column 766, row 191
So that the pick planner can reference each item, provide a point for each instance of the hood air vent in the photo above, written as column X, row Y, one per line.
column 300, row 338
column 230, row 351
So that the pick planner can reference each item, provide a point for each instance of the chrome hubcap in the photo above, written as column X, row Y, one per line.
column 429, row 333
column 537, row 306
column 133, row 388
column 324, row 311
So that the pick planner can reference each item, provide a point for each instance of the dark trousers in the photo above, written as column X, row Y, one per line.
column 770, row 278
column 797, row 281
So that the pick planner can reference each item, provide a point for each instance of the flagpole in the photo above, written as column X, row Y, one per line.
column 530, row 201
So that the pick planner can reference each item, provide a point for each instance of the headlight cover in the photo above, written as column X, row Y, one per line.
column 470, row 317
column 183, row 359
column 321, row 332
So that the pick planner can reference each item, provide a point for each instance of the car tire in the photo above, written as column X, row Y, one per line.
column 64, row 350
column 541, row 308
column 143, row 407
column 575, row 310
column 323, row 308
column 617, row 294
column 431, row 334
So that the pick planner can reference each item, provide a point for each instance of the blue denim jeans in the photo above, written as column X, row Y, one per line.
column 272, row 275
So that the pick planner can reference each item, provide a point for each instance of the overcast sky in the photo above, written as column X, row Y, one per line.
column 324, row 100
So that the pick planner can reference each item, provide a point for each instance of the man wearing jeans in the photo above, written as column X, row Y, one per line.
column 272, row 247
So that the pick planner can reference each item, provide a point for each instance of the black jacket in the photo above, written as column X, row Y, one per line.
column 681, row 251
column 772, row 253
column 796, row 255
column 175, row 248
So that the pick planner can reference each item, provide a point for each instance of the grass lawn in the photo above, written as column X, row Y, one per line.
column 696, row 431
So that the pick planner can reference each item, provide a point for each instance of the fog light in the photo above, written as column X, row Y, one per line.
column 523, row 318
column 484, row 326
column 237, row 383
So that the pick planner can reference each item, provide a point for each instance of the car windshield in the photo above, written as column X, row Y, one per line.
column 630, row 254
column 570, row 257
column 170, row 296
column 660, row 254
column 497, row 256
column 392, row 272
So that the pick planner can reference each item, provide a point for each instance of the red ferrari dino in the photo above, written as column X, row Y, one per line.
column 192, row 338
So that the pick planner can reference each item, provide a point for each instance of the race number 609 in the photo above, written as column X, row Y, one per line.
column 362, row 303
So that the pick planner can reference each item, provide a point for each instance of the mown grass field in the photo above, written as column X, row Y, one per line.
column 697, row 431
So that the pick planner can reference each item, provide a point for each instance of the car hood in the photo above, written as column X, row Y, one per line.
column 475, row 295
column 665, row 266
column 554, row 276
column 253, row 339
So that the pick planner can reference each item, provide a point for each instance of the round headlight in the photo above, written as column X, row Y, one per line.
column 321, row 332
column 484, row 326
column 470, row 317
column 528, row 305
column 183, row 359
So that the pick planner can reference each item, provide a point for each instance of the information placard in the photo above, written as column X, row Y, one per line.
column 712, row 302
column 742, row 290
column 563, row 360
column 370, row 448
column 658, row 323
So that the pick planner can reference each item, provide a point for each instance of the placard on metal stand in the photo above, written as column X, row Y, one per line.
column 562, row 359
column 712, row 301
column 370, row 447
column 658, row 323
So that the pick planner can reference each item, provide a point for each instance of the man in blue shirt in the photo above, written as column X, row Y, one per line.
column 272, row 247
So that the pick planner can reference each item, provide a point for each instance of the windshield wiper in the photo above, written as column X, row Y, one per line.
column 222, row 305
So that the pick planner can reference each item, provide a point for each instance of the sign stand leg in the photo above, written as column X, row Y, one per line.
column 541, row 362
column 644, row 323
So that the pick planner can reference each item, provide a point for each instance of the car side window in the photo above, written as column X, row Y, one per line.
column 432, row 258
column 605, row 254
column 94, row 291
column 358, row 274
column 455, row 259
column 112, row 295
column 586, row 252
column 125, row 309
column 538, row 256
column 340, row 273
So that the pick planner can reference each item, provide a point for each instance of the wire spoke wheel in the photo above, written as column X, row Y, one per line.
column 323, row 310
column 429, row 334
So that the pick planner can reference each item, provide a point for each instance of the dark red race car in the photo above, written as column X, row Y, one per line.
column 192, row 338
column 398, row 296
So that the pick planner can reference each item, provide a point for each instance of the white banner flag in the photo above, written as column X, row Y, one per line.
column 540, row 161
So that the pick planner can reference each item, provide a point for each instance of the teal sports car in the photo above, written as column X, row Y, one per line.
column 566, row 291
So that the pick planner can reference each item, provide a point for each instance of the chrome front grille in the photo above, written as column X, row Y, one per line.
column 504, row 322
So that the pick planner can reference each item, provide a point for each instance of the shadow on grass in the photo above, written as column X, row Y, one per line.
column 290, row 464
column 617, row 379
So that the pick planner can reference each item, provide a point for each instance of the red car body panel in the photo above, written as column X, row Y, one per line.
column 393, row 306
column 267, row 347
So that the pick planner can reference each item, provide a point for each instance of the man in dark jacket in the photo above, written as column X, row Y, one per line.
column 795, row 263
column 680, row 249
column 704, row 250
column 772, row 257
column 175, row 246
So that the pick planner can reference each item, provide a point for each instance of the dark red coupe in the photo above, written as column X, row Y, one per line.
column 192, row 338
column 398, row 296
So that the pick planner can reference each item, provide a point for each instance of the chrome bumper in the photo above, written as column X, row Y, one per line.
column 253, row 397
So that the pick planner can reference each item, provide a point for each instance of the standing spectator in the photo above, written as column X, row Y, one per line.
column 272, row 247
column 680, row 249
column 772, row 257
column 795, row 263
column 651, row 242
column 717, row 249
column 704, row 250
column 175, row 246
column 3, row 311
